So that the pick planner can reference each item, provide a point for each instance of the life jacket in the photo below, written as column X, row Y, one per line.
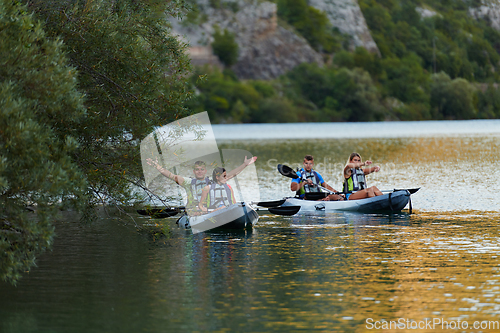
column 220, row 195
column 313, row 175
column 356, row 182
column 196, row 187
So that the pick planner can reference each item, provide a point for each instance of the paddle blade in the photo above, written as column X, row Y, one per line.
column 268, row 204
column 315, row 195
column 287, row 211
column 159, row 212
column 286, row 171
column 411, row 190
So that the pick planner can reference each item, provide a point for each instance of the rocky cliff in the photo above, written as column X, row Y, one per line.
column 266, row 49
column 488, row 10
column 346, row 16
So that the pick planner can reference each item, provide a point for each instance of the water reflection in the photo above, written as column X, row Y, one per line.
column 333, row 272
column 350, row 218
column 325, row 272
column 319, row 272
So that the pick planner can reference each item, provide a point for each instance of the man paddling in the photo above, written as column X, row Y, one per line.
column 309, row 180
column 194, row 186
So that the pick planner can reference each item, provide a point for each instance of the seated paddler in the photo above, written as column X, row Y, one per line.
column 218, row 194
column 355, row 178
column 309, row 181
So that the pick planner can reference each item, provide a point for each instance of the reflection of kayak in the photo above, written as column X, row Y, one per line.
column 390, row 202
column 240, row 215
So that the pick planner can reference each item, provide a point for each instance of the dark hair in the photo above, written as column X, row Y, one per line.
column 199, row 163
column 352, row 156
column 309, row 158
column 217, row 172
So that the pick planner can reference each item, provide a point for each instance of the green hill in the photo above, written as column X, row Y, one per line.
column 437, row 60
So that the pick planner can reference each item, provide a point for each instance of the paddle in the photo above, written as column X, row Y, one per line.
column 286, row 171
column 160, row 212
column 267, row 204
column 287, row 210
column 411, row 190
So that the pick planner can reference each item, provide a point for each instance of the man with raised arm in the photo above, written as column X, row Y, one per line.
column 309, row 180
column 194, row 186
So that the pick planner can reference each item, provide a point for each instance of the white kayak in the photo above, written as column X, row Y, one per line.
column 391, row 202
column 240, row 215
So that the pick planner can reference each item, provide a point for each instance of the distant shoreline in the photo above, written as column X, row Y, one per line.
column 342, row 130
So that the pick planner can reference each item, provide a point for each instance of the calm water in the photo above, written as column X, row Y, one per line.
column 325, row 273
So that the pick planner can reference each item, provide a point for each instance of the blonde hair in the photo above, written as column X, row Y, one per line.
column 352, row 156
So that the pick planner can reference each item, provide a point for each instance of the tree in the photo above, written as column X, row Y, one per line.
column 225, row 47
column 406, row 79
column 313, row 82
column 311, row 23
column 40, row 110
column 452, row 99
column 134, row 75
column 355, row 96
column 58, row 148
column 489, row 102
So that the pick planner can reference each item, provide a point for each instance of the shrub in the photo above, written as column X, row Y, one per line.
column 225, row 47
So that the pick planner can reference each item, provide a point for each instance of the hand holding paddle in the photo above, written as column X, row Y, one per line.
column 286, row 171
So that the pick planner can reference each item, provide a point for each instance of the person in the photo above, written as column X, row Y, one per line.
column 194, row 186
column 355, row 181
column 309, row 180
column 218, row 194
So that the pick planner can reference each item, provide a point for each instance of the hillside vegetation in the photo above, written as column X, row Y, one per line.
column 438, row 66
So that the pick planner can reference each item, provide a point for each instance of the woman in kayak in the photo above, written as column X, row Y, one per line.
column 218, row 194
column 355, row 181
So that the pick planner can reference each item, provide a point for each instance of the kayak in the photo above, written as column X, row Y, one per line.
column 391, row 202
column 240, row 215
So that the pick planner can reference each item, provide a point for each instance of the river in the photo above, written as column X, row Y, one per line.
column 437, row 269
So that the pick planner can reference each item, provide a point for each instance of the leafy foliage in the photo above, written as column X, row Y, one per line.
column 452, row 99
column 311, row 23
column 133, row 73
column 338, row 95
column 76, row 98
column 225, row 47
column 40, row 111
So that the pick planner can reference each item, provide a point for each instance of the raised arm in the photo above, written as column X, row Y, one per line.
column 374, row 168
column 352, row 165
column 178, row 179
column 233, row 173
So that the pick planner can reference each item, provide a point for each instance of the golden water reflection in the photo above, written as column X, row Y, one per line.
column 307, row 273
column 332, row 273
column 343, row 272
